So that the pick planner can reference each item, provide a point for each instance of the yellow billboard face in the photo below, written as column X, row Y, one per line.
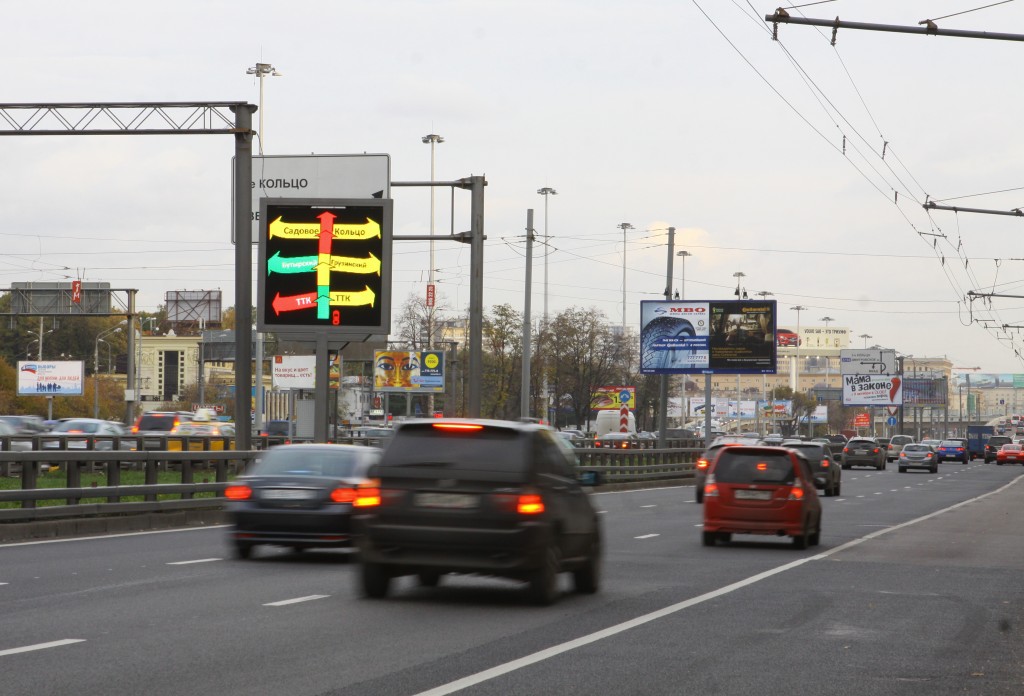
column 395, row 369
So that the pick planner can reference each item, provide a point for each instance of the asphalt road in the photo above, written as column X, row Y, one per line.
column 916, row 589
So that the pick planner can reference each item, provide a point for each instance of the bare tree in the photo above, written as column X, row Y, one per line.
column 503, row 348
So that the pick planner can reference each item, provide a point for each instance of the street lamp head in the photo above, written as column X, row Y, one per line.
column 547, row 191
column 625, row 226
column 432, row 138
column 684, row 252
column 261, row 69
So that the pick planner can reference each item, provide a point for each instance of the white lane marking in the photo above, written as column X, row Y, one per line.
column 895, row 490
column 116, row 536
column 878, row 492
column 198, row 560
column 648, row 506
column 647, row 536
column 41, row 646
column 860, row 496
column 4, row 583
column 839, row 500
column 540, row 656
column 285, row 602
column 601, row 512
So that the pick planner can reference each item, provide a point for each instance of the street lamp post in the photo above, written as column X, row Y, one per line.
column 261, row 70
column 39, row 337
column 865, row 337
column 682, row 272
column 96, row 368
column 433, row 139
column 624, row 226
column 796, row 359
column 739, row 276
column 547, row 192
column 828, row 358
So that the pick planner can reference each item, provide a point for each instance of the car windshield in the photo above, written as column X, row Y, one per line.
column 337, row 463
column 753, row 467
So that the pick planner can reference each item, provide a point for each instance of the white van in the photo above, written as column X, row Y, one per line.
column 608, row 422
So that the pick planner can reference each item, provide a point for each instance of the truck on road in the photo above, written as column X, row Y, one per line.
column 977, row 436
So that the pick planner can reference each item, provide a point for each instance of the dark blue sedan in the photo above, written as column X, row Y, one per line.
column 953, row 449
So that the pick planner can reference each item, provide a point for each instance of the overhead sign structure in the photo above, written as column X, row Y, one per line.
column 325, row 264
column 867, row 361
column 57, row 378
column 314, row 176
column 707, row 337
column 294, row 372
column 408, row 371
column 613, row 397
column 872, row 390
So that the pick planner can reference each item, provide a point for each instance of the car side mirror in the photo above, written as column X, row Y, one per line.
column 589, row 477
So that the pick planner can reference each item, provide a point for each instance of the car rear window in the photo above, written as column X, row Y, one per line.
column 951, row 443
column 483, row 449
column 754, row 467
column 916, row 448
column 164, row 421
column 77, row 427
column 305, row 462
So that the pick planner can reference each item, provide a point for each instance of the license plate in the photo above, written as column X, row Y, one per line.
column 861, row 452
column 287, row 494
column 445, row 500
column 753, row 495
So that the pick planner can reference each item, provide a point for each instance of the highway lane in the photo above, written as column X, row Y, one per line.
column 292, row 623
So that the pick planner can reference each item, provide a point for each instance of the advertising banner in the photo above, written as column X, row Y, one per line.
column 613, row 397
column 872, row 390
column 924, row 392
column 820, row 415
column 57, row 378
column 987, row 380
column 294, row 372
column 711, row 337
column 776, row 409
column 408, row 371
column 813, row 337
column 862, row 420
column 719, row 407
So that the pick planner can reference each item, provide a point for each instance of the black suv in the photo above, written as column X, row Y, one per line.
column 158, row 424
column 478, row 496
column 993, row 444
column 823, row 465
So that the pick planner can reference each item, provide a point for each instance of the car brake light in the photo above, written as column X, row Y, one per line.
column 625, row 445
column 597, row 443
column 530, row 504
column 343, row 495
column 135, row 428
column 928, row 456
column 824, row 463
column 845, row 450
column 458, row 426
column 366, row 496
column 237, row 492
column 702, row 463
column 876, row 450
column 762, row 466
column 711, row 487
column 796, row 493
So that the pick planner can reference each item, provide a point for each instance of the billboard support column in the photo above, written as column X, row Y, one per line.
column 707, row 410
column 322, row 388
column 663, row 379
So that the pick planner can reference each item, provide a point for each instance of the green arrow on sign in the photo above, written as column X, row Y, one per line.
column 294, row 264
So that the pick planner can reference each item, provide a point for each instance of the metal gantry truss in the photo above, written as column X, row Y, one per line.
column 152, row 118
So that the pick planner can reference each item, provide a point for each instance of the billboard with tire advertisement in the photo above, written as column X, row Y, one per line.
column 707, row 337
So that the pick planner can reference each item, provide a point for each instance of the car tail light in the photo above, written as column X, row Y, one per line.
column 135, row 428
column 458, row 426
column 711, row 487
column 890, row 446
column 702, row 464
column 845, row 450
column 824, row 463
column 876, row 450
column 237, row 492
column 597, row 443
column 796, row 493
column 625, row 445
column 367, row 496
column 343, row 495
column 530, row 504
column 928, row 456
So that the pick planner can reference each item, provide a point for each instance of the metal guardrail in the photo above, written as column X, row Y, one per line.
column 614, row 466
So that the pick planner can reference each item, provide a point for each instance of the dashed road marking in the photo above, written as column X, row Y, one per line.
column 647, row 536
column 41, row 646
column 198, row 560
column 648, row 506
column 285, row 602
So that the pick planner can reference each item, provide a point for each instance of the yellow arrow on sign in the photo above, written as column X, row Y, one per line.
column 311, row 230
column 348, row 264
column 360, row 297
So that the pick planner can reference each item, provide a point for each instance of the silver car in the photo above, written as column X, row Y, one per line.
column 918, row 456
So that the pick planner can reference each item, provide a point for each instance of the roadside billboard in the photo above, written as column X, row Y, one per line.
column 813, row 337
column 924, row 392
column 872, row 390
column 612, row 398
column 50, row 378
column 867, row 361
column 986, row 380
column 408, row 371
column 710, row 337
column 294, row 372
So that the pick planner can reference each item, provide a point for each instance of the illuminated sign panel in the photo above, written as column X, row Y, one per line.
column 408, row 371
column 713, row 337
column 50, row 377
column 325, row 263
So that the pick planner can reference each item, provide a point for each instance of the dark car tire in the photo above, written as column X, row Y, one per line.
column 998, row 463
column 375, row 580
column 542, row 584
column 587, row 579
column 709, row 538
column 815, row 539
column 839, row 488
column 903, row 469
column 243, row 551
column 800, row 541
column 428, row 578
column 846, row 466
column 699, row 496
column 935, row 469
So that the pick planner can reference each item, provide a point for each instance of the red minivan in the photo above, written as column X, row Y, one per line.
column 761, row 490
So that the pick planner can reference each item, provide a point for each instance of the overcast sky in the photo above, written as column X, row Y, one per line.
column 653, row 112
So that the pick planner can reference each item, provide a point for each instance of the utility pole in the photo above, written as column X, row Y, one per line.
column 663, row 379
column 929, row 28
column 524, row 399
column 624, row 226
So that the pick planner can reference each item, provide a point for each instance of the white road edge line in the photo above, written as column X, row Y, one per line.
column 198, row 560
column 285, row 602
column 555, row 650
column 648, row 506
column 647, row 536
column 41, row 646
column 115, row 536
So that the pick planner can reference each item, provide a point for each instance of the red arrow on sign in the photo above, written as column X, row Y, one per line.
column 293, row 302
column 326, row 231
